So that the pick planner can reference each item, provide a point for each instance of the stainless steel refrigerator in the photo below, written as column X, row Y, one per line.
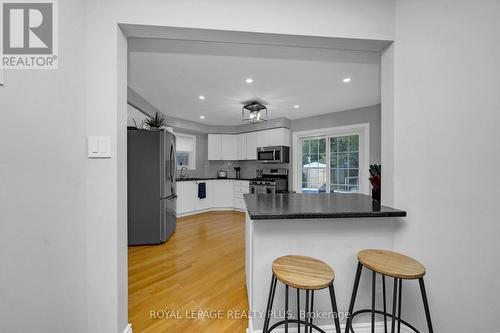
column 152, row 196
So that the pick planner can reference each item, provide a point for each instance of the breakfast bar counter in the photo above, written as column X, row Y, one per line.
column 329, row 227
column 312, row 206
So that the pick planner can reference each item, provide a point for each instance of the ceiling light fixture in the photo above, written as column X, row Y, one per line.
column 202, row 117
column 296, row 106
column 254, row 112
column 201, row 97
column 249, row 80
column 346, row 80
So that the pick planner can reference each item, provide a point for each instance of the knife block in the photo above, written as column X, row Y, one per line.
column 375, row 194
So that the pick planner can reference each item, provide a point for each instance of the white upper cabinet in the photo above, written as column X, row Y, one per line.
column 230, row 147
column 241, row 147
column 214, row 147
column 263, row 138
column 273, row 137
column 251, row 142
column 221, row 147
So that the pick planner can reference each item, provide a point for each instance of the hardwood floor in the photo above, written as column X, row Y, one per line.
column 201, row 268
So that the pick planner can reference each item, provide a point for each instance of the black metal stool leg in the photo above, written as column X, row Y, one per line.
column 335, row 309
column 374, row 278
column 272, row 290
column 286, row 308
column 298, row 309
column 426, row 304
column 311, row 312
column 394, row 301
column 353, row 297
column 385, row 304
column 399, row 304
column 306, row 318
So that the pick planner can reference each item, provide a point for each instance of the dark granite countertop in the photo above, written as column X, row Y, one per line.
column 207, row 178
column 315, row 206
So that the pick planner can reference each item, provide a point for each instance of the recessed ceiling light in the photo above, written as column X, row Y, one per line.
column 249, row 80
column 346, row 80
column 296, row 106
column 201, row 97
column 202, row 117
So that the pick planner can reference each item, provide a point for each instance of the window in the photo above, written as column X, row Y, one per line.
column 314, row 165
column 344, row 164
column 330, row 160
column 185, row 151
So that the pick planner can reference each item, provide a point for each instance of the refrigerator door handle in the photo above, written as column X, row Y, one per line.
column 170, row 197
column 172, row 168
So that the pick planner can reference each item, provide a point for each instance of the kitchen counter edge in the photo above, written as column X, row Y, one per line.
column 209, row 178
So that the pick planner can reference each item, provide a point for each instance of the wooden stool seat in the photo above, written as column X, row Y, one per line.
column 391, row 264
column 303, row 272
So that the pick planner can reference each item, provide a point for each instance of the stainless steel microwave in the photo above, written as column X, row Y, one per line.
column 276, row 154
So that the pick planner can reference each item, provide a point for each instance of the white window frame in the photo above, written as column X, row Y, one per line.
column 192, row 161
column 363, row 130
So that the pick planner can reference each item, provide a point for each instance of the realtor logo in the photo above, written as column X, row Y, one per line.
column 29, row 34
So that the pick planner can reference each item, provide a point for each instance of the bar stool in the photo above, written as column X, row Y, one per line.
column 399, row 267
column 301, row 273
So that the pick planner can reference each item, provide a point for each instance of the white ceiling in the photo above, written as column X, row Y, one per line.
column 172, row 74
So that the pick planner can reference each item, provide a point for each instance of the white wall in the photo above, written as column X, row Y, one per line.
column 387, row 124
column 447, row 144
column 42, row 190
column 134, row 114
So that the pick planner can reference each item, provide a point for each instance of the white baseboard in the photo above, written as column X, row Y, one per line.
column 358, row 328
column 128, row 329
column 211, row 210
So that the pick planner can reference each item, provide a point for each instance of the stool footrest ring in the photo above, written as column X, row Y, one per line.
column 381, row 313
column 295, row 321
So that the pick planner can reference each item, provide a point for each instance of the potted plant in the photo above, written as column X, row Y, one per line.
column 156, row 122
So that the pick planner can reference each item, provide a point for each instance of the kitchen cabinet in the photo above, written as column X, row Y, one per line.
column 228, row 147
column 206, row 203
column 241, row 147
column 273, row 137
column 222, row 194
column 221, row 147
column 240, row 188
column 185, row 197
column 214, row 147
column 251, row 143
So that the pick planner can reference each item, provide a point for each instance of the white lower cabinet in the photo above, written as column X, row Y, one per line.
column 206, row 203
column 185, row 197
column 223, row 194
column 220, row 194
column 240, row 188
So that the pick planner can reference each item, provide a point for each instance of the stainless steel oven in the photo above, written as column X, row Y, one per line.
column 271, row 181
column 275, row 154
column 262, row 187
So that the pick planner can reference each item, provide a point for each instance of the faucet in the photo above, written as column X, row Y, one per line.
column 183, row 175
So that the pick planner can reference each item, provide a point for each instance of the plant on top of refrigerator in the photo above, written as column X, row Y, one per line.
column 156, row 122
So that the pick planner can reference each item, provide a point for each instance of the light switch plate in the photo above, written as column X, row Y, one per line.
column 99, row 147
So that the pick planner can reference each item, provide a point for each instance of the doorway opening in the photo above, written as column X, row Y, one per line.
column 318, row 89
